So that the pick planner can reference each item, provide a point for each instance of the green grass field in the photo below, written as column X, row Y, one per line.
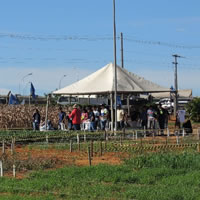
column 169, row 176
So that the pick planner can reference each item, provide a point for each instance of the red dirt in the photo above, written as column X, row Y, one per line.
column 64, row 157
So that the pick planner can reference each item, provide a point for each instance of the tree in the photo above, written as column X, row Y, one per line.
column 193, row 109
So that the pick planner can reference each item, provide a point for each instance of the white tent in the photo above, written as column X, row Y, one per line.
column 103, row 81
column 181, row 94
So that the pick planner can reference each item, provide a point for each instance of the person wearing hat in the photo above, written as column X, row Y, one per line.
column 75, row 115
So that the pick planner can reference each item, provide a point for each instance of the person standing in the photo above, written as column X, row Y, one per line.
column 143, row 118
column 96, row 115
column 91, row 119
column 120, row 117
column 75, row 115
column 150, row 118
column 181, row 117
column 161, row 118
column 36, row 120
column 61, row 116
column 103, row 116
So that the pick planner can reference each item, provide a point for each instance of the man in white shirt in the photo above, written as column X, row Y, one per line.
column 103, row 116
column 120, row 117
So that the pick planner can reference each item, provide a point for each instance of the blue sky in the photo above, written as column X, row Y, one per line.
column 51, row 39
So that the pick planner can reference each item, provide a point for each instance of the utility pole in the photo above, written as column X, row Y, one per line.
column 115, row 63
column 175, row 84
column 122, row 51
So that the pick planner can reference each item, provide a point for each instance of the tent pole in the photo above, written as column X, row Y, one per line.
column 128, row 104
column 46, row 115
column 112, row 114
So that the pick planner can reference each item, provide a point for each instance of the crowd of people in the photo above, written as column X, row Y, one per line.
column 99, row 118
column 89, row 118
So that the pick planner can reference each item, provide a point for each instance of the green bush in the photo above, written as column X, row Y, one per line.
column 193, row 108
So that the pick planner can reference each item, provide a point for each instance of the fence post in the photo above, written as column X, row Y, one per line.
column 78, row 141
column 13, row 142
column 141, row 141
column 198, row 134
column 11, row 148
column 183, row 132
column 47, row 139
column 14, row 171
column 105, row 135
column 153, row 137
column 105, row 146
column 78, row 138
column 101, row 148
column 89, row 156
column 177, row 139
column 168, row 133
column 136, row 135
column 85, row 138
column 120, row 140
column 1, row 168
column 70, row 145
column 3, row 146
column 145, row 135
column 198, row 147
column 124, row 133
column 91, row 148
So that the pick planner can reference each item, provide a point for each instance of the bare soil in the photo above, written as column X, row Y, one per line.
column 63, row 158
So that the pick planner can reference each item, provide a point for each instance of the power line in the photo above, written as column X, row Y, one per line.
column 92, row 38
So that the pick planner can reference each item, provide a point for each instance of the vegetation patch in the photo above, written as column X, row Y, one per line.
column 151, row 176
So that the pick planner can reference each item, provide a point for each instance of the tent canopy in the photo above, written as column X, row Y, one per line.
column 103, row 82
column 181, row 94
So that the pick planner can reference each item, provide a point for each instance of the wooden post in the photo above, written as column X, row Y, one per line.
column 198, row 147
column 177, row 139
column 183, row 132
column 89, row 156
column 153, row 138
column 47, row 139
column 136, row 135
column 85, row 138
column 11, row 148
column 120, row 140
column 1, row 168
column 91, row 148
column 70, row 145
column 105, row 146
column 166, row 140
column 198, row 135
column 101, row 148
column 3, row 146
column 141, row 141
column 145, row 135
column 124, row 133
column 14, row 171
column 105, row 135
column 168, row 133
column 78, row 139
